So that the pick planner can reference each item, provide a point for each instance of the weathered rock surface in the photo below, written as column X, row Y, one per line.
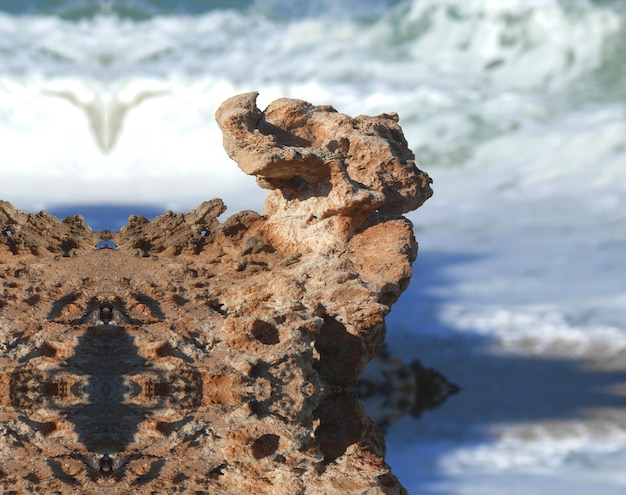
column 206, row 357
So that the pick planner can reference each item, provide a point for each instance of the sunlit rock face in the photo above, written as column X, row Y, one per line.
column 190, row 355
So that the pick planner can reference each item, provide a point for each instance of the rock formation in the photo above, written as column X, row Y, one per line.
column 194, row 356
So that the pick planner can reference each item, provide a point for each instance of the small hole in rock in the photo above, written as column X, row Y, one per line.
column 216, row 472
column 48, row 428
column 106, row 464
column 265, row 446
column 50, row 389
column 163, row 350
column 48, row 350
column 388, row 298
column 159, row 389
column 106, row 314
column 180, row 300
column 180, row 477
column 388, row 480
column 265, row 332
column 164, row 428
column 32, row 477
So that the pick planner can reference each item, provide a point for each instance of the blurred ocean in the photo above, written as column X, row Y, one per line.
column 516, row 108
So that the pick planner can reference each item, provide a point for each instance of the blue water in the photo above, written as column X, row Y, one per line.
column 106, row 217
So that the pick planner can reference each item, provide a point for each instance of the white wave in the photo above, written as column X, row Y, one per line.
column 544, row 458
column 590, row 453
column 517, row 43
column 541, row 331
column 167, row 150
column 109, row 99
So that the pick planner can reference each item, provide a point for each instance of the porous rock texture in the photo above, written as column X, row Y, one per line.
column 190, row 355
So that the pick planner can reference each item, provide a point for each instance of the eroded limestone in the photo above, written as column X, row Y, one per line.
column 206, row 357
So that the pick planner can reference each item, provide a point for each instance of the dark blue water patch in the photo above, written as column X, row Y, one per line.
column 106, row 245
column 106, row 217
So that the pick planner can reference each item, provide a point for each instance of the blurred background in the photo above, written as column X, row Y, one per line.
column 517, row 110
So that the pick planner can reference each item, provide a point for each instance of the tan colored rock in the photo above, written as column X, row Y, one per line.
column 326, row 171
column 208, row 357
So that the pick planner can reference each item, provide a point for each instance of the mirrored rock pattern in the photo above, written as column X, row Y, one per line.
column 190, row 355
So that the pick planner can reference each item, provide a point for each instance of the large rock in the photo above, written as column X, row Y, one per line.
column 204, row 357
column 327, row 172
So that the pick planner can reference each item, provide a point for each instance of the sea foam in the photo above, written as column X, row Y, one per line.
column 110, row 98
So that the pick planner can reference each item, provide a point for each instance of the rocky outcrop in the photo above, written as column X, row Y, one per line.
column 326, row 172
column 194, row 356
